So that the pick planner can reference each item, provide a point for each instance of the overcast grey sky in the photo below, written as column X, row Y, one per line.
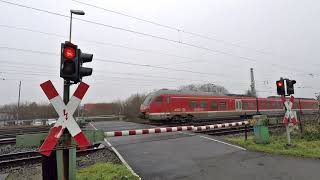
column 276, row 38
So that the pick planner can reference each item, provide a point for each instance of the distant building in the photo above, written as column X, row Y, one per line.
column 99, row 108
column 95, row 106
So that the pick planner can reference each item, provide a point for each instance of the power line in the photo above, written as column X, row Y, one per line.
column 116, row 61
column 35, row 66
column 111, row 61
column 174, row 28
column 144, row 34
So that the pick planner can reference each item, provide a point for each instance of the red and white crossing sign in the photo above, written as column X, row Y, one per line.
column 289, row 116
column 66, row 119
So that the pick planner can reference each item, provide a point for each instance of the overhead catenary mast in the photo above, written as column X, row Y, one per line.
column 253, row 87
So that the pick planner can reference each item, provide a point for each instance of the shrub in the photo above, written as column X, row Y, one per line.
column 311, row 132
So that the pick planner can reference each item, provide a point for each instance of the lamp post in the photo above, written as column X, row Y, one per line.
column 77, row 12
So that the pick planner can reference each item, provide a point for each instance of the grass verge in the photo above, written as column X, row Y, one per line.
column 105, row 171
column 301, row 148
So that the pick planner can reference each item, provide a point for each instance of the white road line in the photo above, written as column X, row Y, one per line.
column 93, row 126
column 118, row 154
column 205, row 137
column 122, row 159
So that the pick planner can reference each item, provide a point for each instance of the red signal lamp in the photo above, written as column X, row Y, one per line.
column 69, row 52
column 279, row 84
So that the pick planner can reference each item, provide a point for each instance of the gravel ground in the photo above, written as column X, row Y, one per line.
column 5, row 149
column 33, row 171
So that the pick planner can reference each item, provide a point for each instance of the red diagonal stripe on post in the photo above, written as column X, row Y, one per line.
column 81, row 140
column 49, row 89
column 51, row 141
column 81, row 90
column 292, row 99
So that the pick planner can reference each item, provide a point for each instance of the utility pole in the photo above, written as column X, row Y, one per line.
column 253, row 87
column 19, row 100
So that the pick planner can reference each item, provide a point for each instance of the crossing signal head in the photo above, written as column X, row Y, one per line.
column 72, row 60
column 84, row 58
column 69, row 62
column 290, row 88
column 280, row 87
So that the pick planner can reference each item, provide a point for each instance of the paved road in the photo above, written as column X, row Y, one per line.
column 188, row 156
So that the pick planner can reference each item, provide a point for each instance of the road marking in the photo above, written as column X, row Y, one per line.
column 93, row 126
column 205, row 137
column 118, row 154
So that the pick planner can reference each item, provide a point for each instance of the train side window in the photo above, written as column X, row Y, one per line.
column 193, row 104
column 168, row 100
column 262, row 104
column 214, row 106
column 245, row 105
column 159, row 99
column 223, row 106
column 252, row 105
column 203, row 104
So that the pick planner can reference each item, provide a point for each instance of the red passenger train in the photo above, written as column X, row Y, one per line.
column 177, row 106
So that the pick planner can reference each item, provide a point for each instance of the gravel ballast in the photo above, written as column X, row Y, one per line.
column 34, row 172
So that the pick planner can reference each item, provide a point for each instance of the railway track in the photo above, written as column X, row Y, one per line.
column 13, row 131
column 31, row 157
column 193, row 123
column 8, row 135
column 8, row 141
column 201, row 122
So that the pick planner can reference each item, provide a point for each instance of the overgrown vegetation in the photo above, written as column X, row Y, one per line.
column 311, row 132
column 105, row 171
column 301, row 148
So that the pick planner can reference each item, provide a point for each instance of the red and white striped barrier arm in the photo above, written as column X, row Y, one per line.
column 217, row 126
column 148, row 131
column 172, row 129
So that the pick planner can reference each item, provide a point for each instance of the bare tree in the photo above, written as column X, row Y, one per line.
column 209, row 87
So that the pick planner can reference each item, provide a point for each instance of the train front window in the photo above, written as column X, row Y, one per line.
column 147, row 100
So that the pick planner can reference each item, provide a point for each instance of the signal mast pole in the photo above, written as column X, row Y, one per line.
column 253, row 87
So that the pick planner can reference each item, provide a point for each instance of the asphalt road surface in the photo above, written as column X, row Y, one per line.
column 186, row 155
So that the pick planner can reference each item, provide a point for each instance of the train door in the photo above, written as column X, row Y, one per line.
column 167, row 104
column 238, row 105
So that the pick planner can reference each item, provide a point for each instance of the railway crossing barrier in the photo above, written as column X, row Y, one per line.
column 173, row 129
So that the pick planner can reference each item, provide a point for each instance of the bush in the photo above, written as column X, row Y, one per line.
column 311, row 132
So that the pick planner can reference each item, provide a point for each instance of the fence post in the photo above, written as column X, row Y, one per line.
column 246, row 132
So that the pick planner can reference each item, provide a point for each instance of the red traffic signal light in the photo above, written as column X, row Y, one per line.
column 69, row 52
column 279, row 83
column 280, row 87
column 69, row 62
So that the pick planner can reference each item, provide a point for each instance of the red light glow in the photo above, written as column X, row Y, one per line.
column 69, row 52
column 279, row 83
